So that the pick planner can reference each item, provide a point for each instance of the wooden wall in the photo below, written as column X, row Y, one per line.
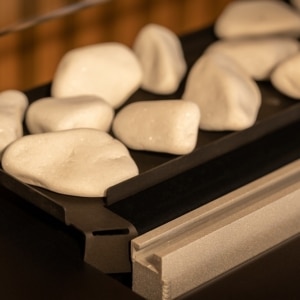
column 29, row 58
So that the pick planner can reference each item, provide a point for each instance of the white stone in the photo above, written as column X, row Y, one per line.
column 53, row 114
column 78, row 162
column 286, row 77
column 162, row 59
column 13, row 104
column 257, row 18
column 228, row 98
column 169, row 126
column 257, row 56
column 108, row 70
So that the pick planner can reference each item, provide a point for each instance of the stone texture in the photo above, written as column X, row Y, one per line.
column 161, row 56
column 257, row 18
column 53, row 114
column 108, row 70
column 77, row 162
column 169, row 126
column 227, row 96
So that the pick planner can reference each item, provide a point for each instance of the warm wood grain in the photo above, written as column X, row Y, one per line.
column 29, row 58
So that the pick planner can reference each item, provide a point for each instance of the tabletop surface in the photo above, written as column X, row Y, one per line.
column 41, row 258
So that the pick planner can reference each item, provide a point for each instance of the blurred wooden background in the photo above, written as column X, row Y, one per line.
column 29, row 58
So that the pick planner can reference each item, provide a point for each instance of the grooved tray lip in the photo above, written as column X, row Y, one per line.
column 277, row 111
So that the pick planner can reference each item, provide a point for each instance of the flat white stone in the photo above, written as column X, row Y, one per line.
column 228, row 98
column 108, row 70
column 78, row 162
column 161, row 56
column 13, row 104
column 286, row 77
column 257, row 18
column 53, row 114
column 169, row 126
column 257, row 56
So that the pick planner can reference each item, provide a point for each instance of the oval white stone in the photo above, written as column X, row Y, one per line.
column 78, row 162
column 257, row 56
column 257, row 18
column 227, row 96
column 169, row 126
column 13, row 104
column 53, row 114
column 108, row 70
column 161, row 56
column 286, row 77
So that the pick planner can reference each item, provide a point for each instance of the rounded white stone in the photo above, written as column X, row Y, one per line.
column 108, row 70
column 286, row 77
column 169, row 126
column 257, row 18
column 13, row 104
column 53, row 114
column 257, row 56
column 228, row 98
column 162, row 59
column 78, row 162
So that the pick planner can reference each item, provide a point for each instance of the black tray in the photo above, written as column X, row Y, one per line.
column 104, row 229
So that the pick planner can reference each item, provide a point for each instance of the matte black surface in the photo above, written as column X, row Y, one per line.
column 41, row 258
column 168, row 171
column 276, row 111
column 187, row 191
